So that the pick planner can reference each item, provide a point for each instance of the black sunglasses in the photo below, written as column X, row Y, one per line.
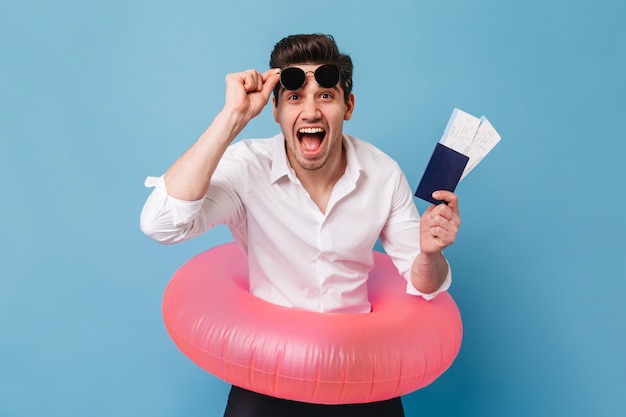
column 292, row 78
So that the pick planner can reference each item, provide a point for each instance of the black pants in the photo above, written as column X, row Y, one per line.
column 244, row 403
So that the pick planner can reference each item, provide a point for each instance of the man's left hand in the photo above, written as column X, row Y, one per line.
column 440, row 223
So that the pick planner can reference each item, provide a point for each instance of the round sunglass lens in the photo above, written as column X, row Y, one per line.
column 327, row 76
column 292, row 78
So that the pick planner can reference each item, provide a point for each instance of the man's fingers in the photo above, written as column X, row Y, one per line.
column 449, row 197
column 254, row 81
column 441, row 224
column 251, row 80
column 271, row 74
column 444, row 218
column 270, row 78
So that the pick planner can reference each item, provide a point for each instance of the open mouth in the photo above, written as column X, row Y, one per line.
column 311, row 138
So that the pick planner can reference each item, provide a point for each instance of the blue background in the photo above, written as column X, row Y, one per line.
column 95, row 96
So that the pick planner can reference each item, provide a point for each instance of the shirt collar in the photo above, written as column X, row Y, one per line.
column 280, row 165
column 354, row 168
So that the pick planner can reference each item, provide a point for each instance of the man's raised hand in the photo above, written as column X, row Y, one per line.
column 247, row 92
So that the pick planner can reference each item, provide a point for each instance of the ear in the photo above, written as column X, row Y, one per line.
column 275, row 105
column 349, row 108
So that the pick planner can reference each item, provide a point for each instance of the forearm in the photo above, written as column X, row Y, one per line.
column 189, row 177
column 428, row 272
column 246, row 94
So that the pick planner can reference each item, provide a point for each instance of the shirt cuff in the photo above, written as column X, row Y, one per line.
column 410, row 289
column 182, row 211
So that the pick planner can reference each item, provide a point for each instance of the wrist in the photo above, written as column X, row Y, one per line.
column 231, row 122
column 428, row 258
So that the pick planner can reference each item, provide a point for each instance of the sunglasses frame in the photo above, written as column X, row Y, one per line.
column 320, row 75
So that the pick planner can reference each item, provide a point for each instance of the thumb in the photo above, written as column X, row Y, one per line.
column 270, row 80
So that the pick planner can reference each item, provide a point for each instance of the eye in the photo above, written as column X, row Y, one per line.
column 326, row 96
column 292, row 97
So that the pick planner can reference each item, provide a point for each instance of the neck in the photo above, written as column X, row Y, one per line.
column 319, row 183
column 327, row 175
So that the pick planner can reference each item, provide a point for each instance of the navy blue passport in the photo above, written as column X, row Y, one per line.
column 443, row 172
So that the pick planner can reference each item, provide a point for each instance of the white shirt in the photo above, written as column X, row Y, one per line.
column 298, row 256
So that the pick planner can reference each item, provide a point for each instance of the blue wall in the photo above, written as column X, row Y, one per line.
column 94, row 96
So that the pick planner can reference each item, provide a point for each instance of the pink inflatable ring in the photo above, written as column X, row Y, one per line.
column 404, row 344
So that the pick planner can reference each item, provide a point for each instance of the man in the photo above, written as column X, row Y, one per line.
column 306, row 206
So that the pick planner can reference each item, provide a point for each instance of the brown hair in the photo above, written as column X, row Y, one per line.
column 312, row 49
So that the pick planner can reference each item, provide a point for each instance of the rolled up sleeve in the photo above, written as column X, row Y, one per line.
column 166, row 219
column 410, row 289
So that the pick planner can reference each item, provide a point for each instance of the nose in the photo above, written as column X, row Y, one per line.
column 310, row 109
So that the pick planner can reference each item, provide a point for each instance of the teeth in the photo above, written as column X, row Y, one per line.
column 311, row 130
